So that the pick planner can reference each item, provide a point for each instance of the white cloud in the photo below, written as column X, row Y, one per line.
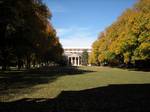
column 77, row 37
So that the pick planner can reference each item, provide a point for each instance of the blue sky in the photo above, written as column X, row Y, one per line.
column 79, row 22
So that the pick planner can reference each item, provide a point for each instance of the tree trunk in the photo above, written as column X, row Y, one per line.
column 20, row 64
column 4, row 67
column 28, row 62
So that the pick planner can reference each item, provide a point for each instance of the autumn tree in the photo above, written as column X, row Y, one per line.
column 26, row 33
column 127, row 39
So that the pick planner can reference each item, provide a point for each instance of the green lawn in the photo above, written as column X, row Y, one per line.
column 19, row 85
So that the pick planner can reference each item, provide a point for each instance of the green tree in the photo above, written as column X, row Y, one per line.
column 85, row 57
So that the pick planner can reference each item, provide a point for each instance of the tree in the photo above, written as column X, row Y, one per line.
column 127, row 39
column 26, row 30
column 85, row 57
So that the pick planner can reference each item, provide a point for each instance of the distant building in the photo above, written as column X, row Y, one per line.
column 74, row 55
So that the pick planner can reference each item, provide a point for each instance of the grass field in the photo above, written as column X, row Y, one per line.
column 83, row 88
column 20, row 85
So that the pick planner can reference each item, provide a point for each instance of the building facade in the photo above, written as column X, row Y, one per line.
column 74, row 55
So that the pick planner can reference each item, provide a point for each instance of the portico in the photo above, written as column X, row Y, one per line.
column 74, row 56
column 74, row 60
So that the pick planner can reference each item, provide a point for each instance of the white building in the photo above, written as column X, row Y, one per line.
column 74, row 55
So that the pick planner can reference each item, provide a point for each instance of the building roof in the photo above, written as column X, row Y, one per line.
column 73, row 55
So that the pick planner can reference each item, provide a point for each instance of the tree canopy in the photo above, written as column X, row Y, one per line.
column 127, row 39
column 27, row 34
column 85, row 56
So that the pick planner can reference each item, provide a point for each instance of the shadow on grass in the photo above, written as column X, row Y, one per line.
column 140, row 69
column 12, row 81
column 112, row 98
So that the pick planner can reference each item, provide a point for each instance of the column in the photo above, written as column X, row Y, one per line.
column 71, row 60
column 75, row 61
column 78, row 61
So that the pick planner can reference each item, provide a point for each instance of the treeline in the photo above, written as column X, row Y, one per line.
column 126, row 41
column 26, row 34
